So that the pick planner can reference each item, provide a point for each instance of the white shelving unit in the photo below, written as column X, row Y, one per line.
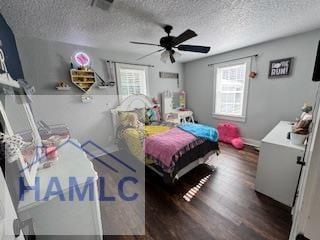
column 83, row 79
column 63, row 88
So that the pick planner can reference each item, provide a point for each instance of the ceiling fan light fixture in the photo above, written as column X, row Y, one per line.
column 165, row 56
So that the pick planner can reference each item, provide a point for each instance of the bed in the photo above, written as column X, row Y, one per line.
column 155, row 143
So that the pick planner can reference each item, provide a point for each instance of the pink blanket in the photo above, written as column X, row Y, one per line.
column 164, row 146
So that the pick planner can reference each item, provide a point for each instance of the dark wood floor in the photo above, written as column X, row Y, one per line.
column 213, row 205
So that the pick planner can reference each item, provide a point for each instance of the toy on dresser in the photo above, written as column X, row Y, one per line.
column 52, row 137
column 300, row 128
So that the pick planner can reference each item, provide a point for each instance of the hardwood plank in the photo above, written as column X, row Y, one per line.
column 226, row 206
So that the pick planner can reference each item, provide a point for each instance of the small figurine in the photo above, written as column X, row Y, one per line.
column 62, row 84
column 306, row 111
column 301, row 126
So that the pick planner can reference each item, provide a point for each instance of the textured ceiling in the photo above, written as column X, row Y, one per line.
column 222, row 24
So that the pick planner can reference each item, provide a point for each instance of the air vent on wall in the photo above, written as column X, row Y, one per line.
column 103, row 4
column 169, row 75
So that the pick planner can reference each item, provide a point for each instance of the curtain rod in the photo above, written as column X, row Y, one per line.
column 212, row 64
column 136, row 64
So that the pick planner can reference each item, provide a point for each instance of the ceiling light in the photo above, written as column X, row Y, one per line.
column 165, row 56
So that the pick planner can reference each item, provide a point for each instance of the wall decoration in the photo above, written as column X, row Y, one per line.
column 280, row 67
column 82, row 59
column 83, row 79
column 10, row 51
column 253, row 74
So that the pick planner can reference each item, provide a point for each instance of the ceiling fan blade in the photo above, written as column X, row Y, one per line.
column 172, row 58
column 188, row 34
column 194, row 48
column 141, row 43
column 149, row 54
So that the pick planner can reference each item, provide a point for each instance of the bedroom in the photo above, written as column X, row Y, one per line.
column 245, row 193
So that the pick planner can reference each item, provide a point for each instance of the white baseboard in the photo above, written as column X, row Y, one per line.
column 252, row 142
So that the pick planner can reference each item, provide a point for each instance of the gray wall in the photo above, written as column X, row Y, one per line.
column 46, row 62
column 270, row 100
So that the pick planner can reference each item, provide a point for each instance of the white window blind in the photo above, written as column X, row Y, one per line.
column 231, row 86
column 132, row 80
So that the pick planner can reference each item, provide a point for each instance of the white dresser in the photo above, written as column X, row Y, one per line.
column 57, row 217
column 7, row 213
column 278, row 171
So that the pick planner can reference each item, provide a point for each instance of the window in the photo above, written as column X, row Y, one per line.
column 231, row 82
column 132, row 80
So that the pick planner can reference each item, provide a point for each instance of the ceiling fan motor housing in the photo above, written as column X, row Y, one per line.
column 167, row 42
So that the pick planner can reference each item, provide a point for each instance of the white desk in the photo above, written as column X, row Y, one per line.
column 70, row 217
column 179, row 116
column 278, row 172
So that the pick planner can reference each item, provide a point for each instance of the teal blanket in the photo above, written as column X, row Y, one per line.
column 201, row 131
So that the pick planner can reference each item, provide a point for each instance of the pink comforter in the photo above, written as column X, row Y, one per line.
column 164, row 146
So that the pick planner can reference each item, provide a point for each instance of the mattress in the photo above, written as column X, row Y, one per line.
column 188, row 157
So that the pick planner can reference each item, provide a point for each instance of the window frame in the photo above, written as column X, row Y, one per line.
column 134, row 67
column 243, row 116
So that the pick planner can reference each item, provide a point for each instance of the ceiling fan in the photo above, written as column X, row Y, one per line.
column 169, row 44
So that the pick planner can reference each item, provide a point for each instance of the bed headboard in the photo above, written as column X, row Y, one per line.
column 130, row 103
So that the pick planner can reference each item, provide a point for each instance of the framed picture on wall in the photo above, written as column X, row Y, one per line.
column 280, row 67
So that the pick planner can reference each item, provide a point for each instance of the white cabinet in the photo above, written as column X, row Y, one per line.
column 57, row 217
column 278, row 172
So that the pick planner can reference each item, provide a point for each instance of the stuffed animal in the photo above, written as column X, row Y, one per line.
column 301, row 126
column 133, row 121
column 230, row 133
column 306, row 112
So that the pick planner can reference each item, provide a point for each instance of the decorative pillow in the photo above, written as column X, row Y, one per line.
column 130, row 119
column 124, row 117
column 141, row 112
column 152, row 115
column 237, row 143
